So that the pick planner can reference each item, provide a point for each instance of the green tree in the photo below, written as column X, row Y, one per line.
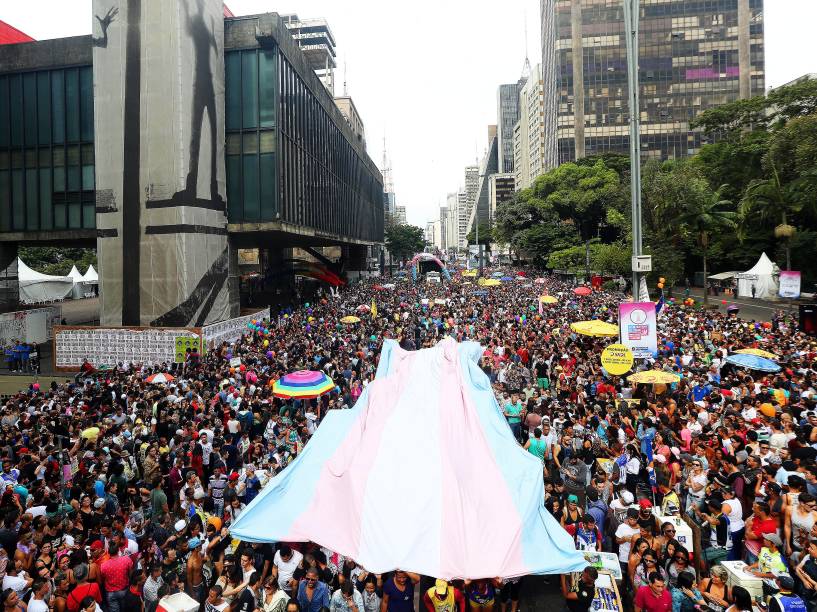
column 405, row 240
column 56, row 260
column 772, row 198
column 486, row 234
column 705, row 213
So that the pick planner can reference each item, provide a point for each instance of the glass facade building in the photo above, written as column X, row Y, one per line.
column 693, row 55
column 47, row 150
column 291, row 158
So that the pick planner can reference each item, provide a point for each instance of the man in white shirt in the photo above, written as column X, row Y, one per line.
column 624, row 536
column 39, row 591
column 284, row 564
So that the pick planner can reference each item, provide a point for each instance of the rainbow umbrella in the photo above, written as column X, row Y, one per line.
column 303, row 384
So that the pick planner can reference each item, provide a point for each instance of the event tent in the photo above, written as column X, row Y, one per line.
column 91, row 276
column 78, row 290
column 36, row 288
column 422, row 474
column 763, row 276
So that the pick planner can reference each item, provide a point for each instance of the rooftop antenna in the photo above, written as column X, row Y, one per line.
column 345, row 93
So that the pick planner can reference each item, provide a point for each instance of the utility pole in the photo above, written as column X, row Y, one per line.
column 631, row 15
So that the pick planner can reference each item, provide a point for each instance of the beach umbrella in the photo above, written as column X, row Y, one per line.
column 539, row 280
column 350, row 319
column 753, row 362
column 582, row 291
column 506, row 278
column 378, row 287
column 758, row 352
column 364, row 307
column 594, row 328
column 161, row 378
column 303, row 384
column 479, row 293
column 470, row 273
column 497, row 274
column 547, row 299
column 652, row 377
column 389, row 286
column 488, row 282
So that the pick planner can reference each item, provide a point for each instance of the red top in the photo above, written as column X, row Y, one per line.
column 116, row 573
column 647, row 601
column 10, row 35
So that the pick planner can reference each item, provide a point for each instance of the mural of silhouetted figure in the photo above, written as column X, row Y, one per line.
column 204, row 98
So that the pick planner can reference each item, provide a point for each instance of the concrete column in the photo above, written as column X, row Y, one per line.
column 159, row 126
column 744, row 50
column 9, row 283
column 578, row 76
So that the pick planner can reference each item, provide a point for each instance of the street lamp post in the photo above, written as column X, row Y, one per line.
column 631, row 15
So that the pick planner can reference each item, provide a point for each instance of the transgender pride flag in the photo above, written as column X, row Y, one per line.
column 423, row 474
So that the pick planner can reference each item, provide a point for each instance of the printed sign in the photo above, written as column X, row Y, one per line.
column 637, row 326
column 617, row 359
column 789, row 284
column 235, row 362
column 186, row 342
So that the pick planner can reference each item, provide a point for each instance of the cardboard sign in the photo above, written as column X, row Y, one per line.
column 617, row 359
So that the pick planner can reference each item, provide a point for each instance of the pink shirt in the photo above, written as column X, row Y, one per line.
column 116, row 573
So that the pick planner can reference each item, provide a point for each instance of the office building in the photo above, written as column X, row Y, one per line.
column 316, row 41
column 529, row 133
column 349, row 111
column 399, row 215
column 501, row 188
column 235, row 145
column 507, row 114
column 692, row 56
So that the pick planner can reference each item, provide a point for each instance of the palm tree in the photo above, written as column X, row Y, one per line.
column 704, row 214
column 770, row 197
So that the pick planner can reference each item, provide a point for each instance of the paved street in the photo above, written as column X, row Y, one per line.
column 760, row 310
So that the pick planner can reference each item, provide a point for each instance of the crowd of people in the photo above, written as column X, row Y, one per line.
column 119, row 492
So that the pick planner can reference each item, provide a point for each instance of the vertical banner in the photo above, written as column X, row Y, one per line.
column 159, row 133
column 638, row 329
column 789, row 284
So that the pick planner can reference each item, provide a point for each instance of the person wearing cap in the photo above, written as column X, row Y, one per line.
column 586, row 534
column 443, row 597
column 646, row 518
column 195, row 585
column 785, row 600
column 770, row 560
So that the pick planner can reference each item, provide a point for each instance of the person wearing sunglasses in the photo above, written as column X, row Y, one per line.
column 679, row 564
column 648, row 565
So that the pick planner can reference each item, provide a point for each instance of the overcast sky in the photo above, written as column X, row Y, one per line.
column 425, row 74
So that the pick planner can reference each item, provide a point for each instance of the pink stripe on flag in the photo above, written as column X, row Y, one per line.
column 473, row 488
column 334, row 516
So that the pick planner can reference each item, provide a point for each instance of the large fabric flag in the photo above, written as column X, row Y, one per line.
column 423, row 474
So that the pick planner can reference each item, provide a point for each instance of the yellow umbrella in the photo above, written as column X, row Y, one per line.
column 548, row 299
column 758, row 352
column 350, row 319
column 488, row 282
column 594, row 328
column 651, row 377
column 469, row 273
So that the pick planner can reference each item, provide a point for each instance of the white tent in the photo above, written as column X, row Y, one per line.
column 79, row 286
column 36, row 288
column 763, row 277
column 91, row 276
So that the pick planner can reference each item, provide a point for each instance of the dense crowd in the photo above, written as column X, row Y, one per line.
column 119, row 492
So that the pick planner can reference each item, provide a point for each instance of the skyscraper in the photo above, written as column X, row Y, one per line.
column 507, row 114
column 529, row 132
column 692, row 56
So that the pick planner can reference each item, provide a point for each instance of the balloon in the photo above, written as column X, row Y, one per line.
column 266, row 343
column 269, row 354
column 286, row 316
column 767, row 325
column 723, row 302
column 242, row 368
column 308, row 327
column 662, row 280
column 660, row 285
column 373, row 338
column 232, row 370
column 229, row 355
